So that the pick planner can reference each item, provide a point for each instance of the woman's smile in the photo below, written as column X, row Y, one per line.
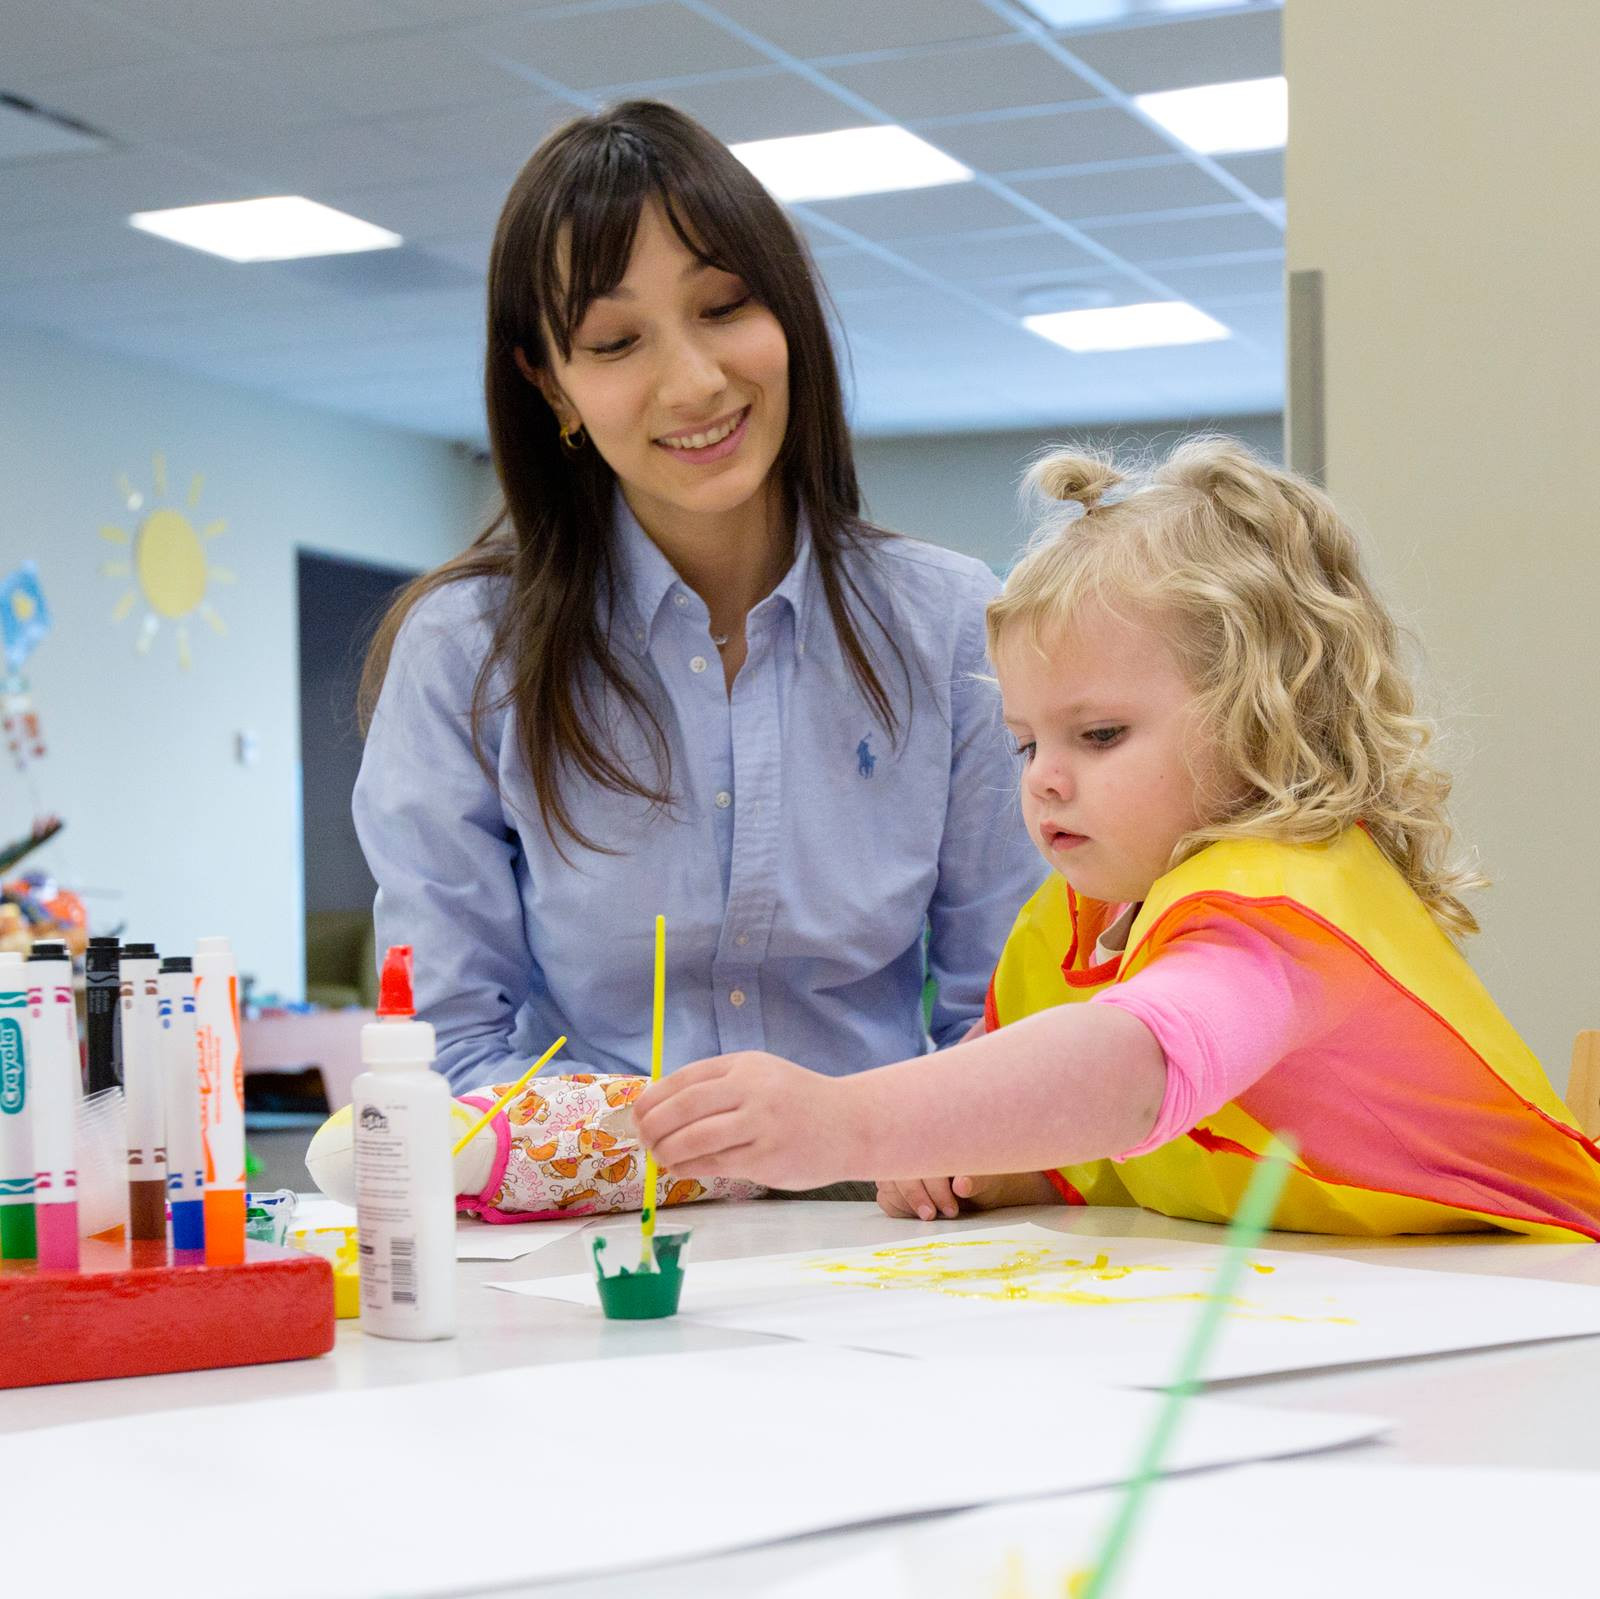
column 714, row 441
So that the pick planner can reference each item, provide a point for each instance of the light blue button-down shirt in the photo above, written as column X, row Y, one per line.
column 805, row 856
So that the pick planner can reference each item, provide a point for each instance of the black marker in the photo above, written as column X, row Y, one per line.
column 105, row 1025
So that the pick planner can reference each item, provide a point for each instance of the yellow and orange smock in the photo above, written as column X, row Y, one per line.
column 1423, row 1112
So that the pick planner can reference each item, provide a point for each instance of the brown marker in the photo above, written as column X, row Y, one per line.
column 143, row 1083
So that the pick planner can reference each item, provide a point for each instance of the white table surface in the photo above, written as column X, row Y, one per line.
column 1532, row 1406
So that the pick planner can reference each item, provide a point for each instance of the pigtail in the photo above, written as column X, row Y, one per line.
column 1081, row 477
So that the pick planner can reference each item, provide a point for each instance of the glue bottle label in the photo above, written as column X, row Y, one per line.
column 384, row 1182
column 405, row 1204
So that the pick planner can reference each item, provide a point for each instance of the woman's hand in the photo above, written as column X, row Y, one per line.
column 928, row 1197
column 748, row 1115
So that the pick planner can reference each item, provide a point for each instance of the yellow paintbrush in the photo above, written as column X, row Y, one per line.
column 647, row 1217
column 504, row 1100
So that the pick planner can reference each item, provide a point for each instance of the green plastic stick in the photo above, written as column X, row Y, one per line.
column 1244, row 1234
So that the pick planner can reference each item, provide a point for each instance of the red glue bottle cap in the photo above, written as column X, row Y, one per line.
column 394, row 985
column 396, row 1041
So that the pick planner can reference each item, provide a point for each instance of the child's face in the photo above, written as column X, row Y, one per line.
column 1108, row 730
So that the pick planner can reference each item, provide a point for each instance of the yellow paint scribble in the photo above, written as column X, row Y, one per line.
column 1028, row 1274
column 1037, row 1276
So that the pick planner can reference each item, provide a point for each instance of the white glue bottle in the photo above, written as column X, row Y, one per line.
column 405, row 1188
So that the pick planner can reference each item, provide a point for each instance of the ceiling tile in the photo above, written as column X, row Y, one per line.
column 228, row 28
column 1260, row 320
column 962, row 81
column 318, row 161
column 1171, row 238
column 381, row 76
column 184, row 102
column 1070, row 138
column 92, row 188
column 848, row 271
column 829, row 27
column 1210, row 280
column 633, row 45
column 909, row 213
column 1260, row 170
column 769, row 105
column 1182, row 54
column 375, row 274
column 1174, row 185
column 488, row 138
column 1020, row 252
column 470, row 250
column 104, row 245
column 437, row 208
column 913, row 308
column 64, row 39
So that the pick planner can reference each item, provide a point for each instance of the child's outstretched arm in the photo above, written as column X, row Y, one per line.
column 1074, row 1083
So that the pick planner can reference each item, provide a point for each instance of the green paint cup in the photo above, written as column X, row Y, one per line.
column 628, row 1293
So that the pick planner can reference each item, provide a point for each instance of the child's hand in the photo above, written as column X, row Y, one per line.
column 747, row 1115
column 927, row 1197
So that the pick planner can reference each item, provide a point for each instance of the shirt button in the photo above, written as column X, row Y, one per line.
column 743, row 938
column 724, row 800
column 736, row 997
column 680, row 599
column 698, row 664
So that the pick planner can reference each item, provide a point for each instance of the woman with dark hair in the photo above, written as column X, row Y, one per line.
column 679, row 673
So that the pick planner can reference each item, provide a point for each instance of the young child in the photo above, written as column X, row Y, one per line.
column 1250, row 924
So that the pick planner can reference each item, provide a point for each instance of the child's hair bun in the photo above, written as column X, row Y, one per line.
column 1073, row 475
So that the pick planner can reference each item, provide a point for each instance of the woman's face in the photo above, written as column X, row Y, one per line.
column 679, row 378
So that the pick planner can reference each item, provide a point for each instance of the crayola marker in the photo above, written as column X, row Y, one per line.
column 103, row 1005
column 17, row 1238
column 145, row 1092
column 216, row 1016
column 186, row 1157
column 57, row 1085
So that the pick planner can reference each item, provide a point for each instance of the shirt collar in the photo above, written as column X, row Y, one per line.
column 649, row 579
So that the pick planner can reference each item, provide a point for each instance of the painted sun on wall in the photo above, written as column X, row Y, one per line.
column 166, row 561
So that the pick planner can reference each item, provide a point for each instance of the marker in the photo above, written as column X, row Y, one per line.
column 17, row 1237
column 143, row 1071
column 216, row 1015
column 57, row 1085
column 104, row 1008
column 186, row 1158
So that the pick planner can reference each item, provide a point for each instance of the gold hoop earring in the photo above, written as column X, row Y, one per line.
column 571, row 437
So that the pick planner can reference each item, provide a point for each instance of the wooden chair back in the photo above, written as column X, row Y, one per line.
column 1583, row 1086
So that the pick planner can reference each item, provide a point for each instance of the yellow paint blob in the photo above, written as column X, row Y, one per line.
column 171, row 563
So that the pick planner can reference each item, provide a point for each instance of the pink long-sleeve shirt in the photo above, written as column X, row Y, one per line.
column 1227, row 1002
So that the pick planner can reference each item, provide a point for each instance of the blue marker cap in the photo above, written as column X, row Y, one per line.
column 188, row 1224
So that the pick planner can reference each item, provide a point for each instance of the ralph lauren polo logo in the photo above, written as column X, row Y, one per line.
column 865, row 759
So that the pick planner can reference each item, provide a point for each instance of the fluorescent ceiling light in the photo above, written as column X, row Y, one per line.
column 282, row 228
column 831, row 166
column 1220, row 117
column 1127, row 327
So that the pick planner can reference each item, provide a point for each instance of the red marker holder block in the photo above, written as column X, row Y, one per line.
column 136, row 1309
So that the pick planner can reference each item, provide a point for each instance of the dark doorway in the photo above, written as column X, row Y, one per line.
column 341, row 602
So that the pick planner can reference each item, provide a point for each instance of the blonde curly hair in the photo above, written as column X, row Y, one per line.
column 1295, row 661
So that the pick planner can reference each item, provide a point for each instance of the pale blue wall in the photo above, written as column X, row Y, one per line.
column 161, row 817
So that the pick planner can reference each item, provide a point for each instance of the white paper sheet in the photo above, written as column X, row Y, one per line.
column 475, row 1240
column 1266, row 1532
column 538, row 1473
column 1116, row 1310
